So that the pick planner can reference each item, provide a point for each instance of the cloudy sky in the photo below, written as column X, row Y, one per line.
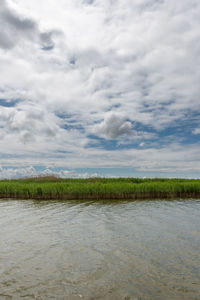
column 111, row 86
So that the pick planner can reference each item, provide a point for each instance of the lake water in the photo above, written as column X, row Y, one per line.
column 100, row 250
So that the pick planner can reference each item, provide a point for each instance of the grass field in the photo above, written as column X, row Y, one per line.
column 99, row 188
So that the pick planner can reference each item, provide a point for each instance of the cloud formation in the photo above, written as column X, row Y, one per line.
column 100, row 82
column 28, row 172
column 196, row 131
column 15, row 28
column 27, row 124
column 113, row 126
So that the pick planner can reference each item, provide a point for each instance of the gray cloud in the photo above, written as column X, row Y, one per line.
column 28, row 123
column 14, row 27
column 113, row 127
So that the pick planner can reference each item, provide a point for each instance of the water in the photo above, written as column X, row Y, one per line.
column 100, row 250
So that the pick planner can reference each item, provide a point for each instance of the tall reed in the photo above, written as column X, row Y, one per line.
column 99, row 188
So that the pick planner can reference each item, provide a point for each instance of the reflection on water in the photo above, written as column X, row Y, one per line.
column 100, row 250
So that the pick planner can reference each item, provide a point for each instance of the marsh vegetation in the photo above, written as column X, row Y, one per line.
column 99, row 188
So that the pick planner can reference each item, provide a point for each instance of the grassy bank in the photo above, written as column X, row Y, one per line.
column 99, row 188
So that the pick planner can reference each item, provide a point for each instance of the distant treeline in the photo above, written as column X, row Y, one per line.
column 99, row 188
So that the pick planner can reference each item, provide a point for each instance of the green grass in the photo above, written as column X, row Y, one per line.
column 99, row 188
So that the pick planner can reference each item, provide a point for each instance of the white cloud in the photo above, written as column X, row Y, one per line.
column 113, row 126
column 14, row 28
column 196, row 131
column 29, row 172
column 142, row 144
column 116, row 63
column 28, row 124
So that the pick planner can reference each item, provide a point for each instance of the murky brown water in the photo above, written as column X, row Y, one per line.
column 107, row 250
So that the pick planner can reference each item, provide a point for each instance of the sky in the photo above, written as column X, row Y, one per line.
column 100, row 88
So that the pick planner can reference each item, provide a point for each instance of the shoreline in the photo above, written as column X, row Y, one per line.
column 103, row 197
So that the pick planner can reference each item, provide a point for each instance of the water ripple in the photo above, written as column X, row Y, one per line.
column 99, row 250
